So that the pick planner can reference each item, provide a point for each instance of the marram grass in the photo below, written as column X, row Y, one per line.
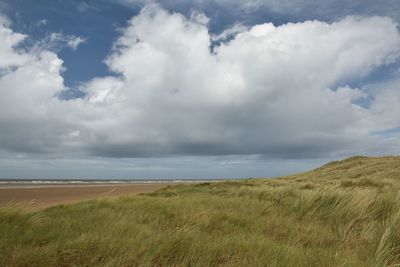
column 345, row 213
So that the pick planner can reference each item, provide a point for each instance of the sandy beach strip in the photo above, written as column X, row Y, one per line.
column 43, row 197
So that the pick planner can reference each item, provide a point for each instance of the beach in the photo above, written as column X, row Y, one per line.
column 43, row 196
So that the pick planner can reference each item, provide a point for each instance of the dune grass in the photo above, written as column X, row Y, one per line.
column 345, row 213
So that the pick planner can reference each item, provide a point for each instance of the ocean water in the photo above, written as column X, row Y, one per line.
column 23, row 183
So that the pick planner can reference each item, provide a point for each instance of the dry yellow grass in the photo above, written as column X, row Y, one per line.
column 345, row 213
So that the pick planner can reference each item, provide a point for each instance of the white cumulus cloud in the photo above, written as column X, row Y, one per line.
column 276, row 91
column 270, row 90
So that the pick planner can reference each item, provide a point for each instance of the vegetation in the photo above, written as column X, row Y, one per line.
column 346, row 213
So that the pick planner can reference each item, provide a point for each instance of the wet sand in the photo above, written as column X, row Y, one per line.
column 43, row 197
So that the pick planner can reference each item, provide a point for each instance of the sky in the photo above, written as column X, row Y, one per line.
column 140, row 89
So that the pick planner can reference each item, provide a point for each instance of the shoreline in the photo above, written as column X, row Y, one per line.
column 5, row 184
column 72, row 185
column 52, row 195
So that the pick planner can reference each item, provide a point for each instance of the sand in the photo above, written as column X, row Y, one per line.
column 44, row 197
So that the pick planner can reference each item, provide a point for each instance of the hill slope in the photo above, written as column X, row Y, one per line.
column 355, row 171
column 387, row 168
column 346, row 213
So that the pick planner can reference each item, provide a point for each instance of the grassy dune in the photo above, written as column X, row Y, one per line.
column 345, row 213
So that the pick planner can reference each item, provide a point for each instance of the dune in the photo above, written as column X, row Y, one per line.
column 345, row 213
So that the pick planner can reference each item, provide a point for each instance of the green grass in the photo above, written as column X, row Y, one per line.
column 345, row 213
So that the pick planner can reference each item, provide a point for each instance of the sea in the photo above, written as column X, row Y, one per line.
column 38, row 183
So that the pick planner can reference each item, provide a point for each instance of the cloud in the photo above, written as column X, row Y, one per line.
column 57, row 41
column 295, row 9
column 74, row 41
column 42, row 22
column 4, row 20
column 385, row 107
column 9, row 53
column 270, row 90
column 30, row 112
column 86, row 7
column 229, row 33
column 274, row 91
